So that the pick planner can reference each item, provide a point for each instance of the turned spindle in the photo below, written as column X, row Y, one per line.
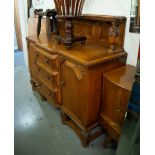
column 68, row 10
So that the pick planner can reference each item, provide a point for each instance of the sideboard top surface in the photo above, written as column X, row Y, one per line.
column 89, row 54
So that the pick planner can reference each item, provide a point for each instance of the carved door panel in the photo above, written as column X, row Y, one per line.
column 72, row 89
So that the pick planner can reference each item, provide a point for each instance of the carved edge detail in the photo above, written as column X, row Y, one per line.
column 99, row 62
column 77, row 70
column 109, row 59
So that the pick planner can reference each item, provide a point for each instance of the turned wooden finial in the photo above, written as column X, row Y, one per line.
column 113, row 36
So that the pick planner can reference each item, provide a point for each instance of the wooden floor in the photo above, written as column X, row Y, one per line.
column 38, row 127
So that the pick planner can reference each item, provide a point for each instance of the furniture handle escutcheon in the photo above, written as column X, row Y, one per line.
column 46, row 60
column 36, row 54
column 62, row 82
column 37, row 85
column 117, row 109
column 38, row 69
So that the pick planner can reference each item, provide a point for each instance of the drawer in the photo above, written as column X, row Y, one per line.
column 51, row 77
column 52, row 95
column 48, row 59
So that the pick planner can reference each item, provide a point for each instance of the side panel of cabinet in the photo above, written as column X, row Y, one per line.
column 32, row 57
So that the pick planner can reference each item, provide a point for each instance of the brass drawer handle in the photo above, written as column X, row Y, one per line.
column 36, row 54
column 53, row 95
column 37, row 85
column 62, row 82
column 38, row 69
column 46, row 60
column 50, row 94
column 118, row 110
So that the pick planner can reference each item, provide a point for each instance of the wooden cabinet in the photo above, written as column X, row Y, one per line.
column 72, row 86
column 45, row 73
column 117, row 85
column 81, row 97
column 72, row 79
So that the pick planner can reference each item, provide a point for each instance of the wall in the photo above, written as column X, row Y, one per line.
column 44, row 4
column 22, row 7
column 117, row 7
column 15, row 40
column 112, row 7
column 48, row 4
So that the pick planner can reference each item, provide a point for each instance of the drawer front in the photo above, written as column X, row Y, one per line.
column 52, row 95
column 49, row 76
column 47, row 59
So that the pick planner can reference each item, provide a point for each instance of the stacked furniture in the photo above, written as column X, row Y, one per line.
column 117, row 86
column 72, row 79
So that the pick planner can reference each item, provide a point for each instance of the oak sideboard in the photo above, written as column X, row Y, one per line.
column 71, row 80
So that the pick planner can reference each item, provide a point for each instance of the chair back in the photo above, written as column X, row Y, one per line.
column 69, row 7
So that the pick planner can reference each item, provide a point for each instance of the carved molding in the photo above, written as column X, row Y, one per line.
column 99, row 62
column 78, row 72
column 117, row 54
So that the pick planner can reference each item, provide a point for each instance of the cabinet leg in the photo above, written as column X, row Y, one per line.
column 33, row 88
column 42, row 97
column 64, row 117
column 84, row 139
column 107, row 140
column 32, row 84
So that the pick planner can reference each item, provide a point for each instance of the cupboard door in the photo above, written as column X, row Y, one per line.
column 72, row 88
